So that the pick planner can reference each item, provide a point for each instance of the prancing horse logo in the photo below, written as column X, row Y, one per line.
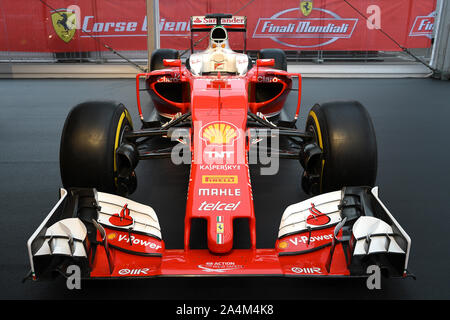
column 306, row 7
column 64, row 23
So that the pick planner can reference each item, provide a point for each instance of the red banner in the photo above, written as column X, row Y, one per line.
column 32, row 26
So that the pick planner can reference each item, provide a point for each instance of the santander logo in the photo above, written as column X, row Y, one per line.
column 321, row 27
column 317, row 218
column 122, row 219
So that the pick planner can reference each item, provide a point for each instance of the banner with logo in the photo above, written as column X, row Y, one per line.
column 84, row 25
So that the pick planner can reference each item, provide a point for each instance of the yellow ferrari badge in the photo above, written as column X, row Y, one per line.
column 306, row 7
column 64, row 23
column 220, row 228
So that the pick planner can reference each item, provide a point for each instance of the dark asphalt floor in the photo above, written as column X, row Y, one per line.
column 411, row 121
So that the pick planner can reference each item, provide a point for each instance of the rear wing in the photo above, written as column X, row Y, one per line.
column 228, row 21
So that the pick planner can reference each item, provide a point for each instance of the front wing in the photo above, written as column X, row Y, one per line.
column 337, row 234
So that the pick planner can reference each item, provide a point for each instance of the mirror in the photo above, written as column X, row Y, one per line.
column 265, row 62
column 172, row 62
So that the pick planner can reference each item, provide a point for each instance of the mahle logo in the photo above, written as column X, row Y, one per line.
column 64, row 23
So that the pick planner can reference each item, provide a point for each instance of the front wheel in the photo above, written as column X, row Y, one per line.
column 91, row 137
column 345, row 135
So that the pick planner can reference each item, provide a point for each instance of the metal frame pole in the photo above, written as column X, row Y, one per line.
column 153, row 41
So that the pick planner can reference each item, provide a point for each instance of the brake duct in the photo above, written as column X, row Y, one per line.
column 127, row 160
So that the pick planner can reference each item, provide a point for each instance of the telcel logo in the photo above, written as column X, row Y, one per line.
column 218, row 206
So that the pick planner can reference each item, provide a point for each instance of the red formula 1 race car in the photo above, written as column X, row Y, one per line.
column 219, row 113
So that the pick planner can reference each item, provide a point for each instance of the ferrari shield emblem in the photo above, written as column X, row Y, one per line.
column 64, row 23
column 306, row 7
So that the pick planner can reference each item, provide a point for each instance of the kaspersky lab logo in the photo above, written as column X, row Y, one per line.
column 319, row 27
column 64, row 23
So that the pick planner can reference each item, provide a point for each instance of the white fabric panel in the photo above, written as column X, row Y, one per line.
column 294, row 219
column 361, row 247
column 63, row 195
column 74, row 226
column 132, row 205
column 60, row 246
column 79, row 250
column 374, row 237
column 144, row 217
column 378, row 244
column 394, row 247
column 370, row 225
column 398, row 226
column 66, row 228
column 44, row 250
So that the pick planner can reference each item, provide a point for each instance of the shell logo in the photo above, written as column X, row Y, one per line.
column 283, row 245
column 219, row 133
column 111, row 236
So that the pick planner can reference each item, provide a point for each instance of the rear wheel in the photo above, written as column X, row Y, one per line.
column 92, row 134
column 345, row 134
